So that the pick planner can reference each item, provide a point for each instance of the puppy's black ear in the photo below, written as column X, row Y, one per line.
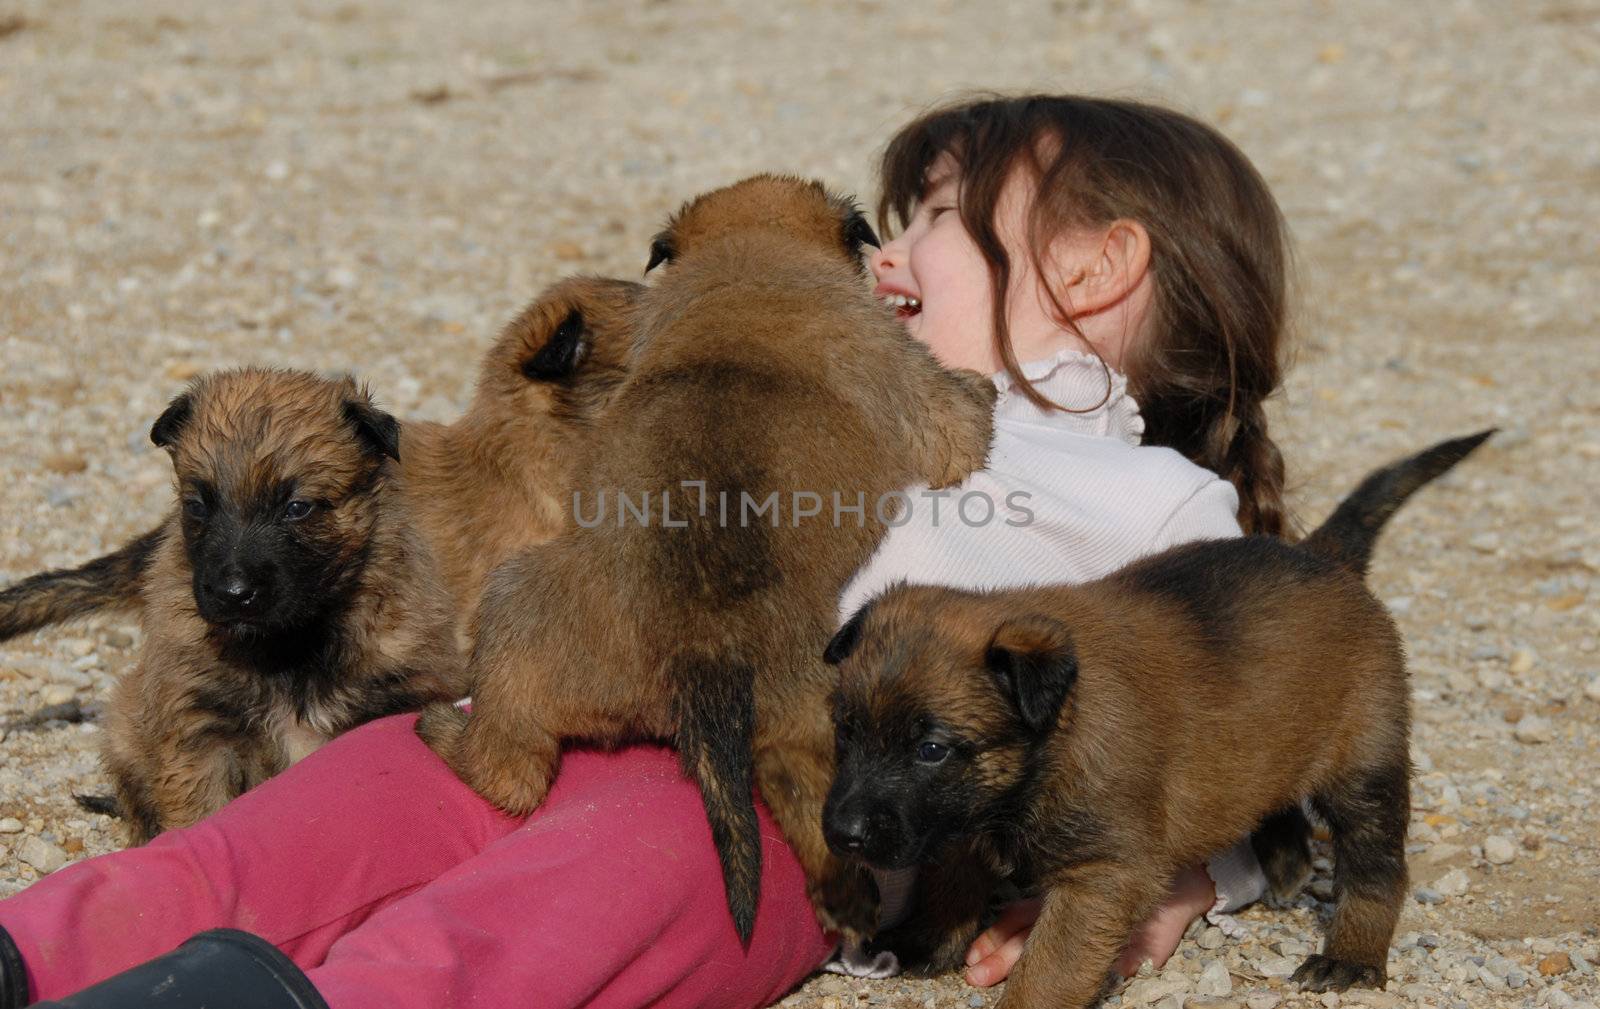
column 1033, row 661
column 846, row 638
column 661, row 251
column 857, row 232
column 561, row 354
column 170, row 424
column 378, row 431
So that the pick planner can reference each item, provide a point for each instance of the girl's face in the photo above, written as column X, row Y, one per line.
column 938, row 280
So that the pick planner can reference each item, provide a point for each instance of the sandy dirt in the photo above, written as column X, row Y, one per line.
column 376, row 186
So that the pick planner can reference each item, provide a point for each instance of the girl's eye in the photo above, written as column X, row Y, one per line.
column 297, row 509
column 930, row 752
column 194, row 508
column 935, row 212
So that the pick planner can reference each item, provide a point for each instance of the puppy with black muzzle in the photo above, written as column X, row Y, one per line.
column 764, row 369
column 493, row 481
column 289, row 598
column 1092, row 740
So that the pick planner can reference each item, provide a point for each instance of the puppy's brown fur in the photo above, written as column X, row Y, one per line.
column 289, row 599
column 762, row 365
column 481, row 488
column 499, row 478
column 1094, row 739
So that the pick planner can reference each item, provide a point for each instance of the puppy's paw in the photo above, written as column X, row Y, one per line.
column 1282, row 844
column 441, row 726
column 846, row 901
column 978, row 387
column 512, row 775
column 924, row 951
column 1324, row 973
column 965, row 425
column 1288, row 870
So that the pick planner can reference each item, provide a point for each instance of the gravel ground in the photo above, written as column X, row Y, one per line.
column 377, row 185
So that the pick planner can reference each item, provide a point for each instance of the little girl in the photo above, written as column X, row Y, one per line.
column 1119, row 268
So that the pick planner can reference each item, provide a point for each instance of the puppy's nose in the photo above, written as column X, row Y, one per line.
column 848, row 832
column 235, row 591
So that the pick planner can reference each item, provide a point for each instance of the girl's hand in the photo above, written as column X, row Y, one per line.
column 997, row 950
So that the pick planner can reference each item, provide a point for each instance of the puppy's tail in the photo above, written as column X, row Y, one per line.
column 1350, row 532
column 112, row 582
column 715, row 701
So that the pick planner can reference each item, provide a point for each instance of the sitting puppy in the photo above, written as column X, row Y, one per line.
column 289, row 596
column 1092, row 740
column 480, row 488
column 765, row 371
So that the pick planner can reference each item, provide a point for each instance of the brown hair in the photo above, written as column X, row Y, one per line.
column 1219, row 258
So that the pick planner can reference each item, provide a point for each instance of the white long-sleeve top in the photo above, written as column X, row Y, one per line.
column 1098, row 500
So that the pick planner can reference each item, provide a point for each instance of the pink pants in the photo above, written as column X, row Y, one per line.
column 392, row 884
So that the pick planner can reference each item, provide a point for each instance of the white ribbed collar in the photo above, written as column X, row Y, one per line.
column 1077, row 381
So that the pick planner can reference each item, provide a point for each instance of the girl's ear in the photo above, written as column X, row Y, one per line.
column 1100, row 269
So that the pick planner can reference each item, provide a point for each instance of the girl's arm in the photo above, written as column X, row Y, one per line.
column 997, row 950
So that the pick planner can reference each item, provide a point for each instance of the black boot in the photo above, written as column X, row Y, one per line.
column 13, row 976
column 222, row 967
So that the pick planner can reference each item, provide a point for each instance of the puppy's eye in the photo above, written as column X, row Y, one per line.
column 297, row 509
column 195, row 508
column 930, row 752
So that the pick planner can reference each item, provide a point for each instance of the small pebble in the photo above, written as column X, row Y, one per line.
column 1211, row 938
column 1521, row 661
column 1428, row 895
column 1277, row 966
column 10, row 825
column 56, row 693
column 1214, row 980
column 42, row 855
column 1499, row 850
column 1148, row 991
column 974, row 1001
column 1263, row 1000
column 1453, row 883
column 1534, row 729
column 1555, row 963
column 1330, row 1000
column 1592, row 691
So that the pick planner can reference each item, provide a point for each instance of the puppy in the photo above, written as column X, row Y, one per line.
column 289, row 596
column 498, row 479
column 1092, row 740
column 763, row 367
column 480, row 488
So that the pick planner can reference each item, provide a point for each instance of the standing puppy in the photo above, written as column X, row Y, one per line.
column 1094, row 739
column 289, row 597
column 480, row 488
column 764, row 372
